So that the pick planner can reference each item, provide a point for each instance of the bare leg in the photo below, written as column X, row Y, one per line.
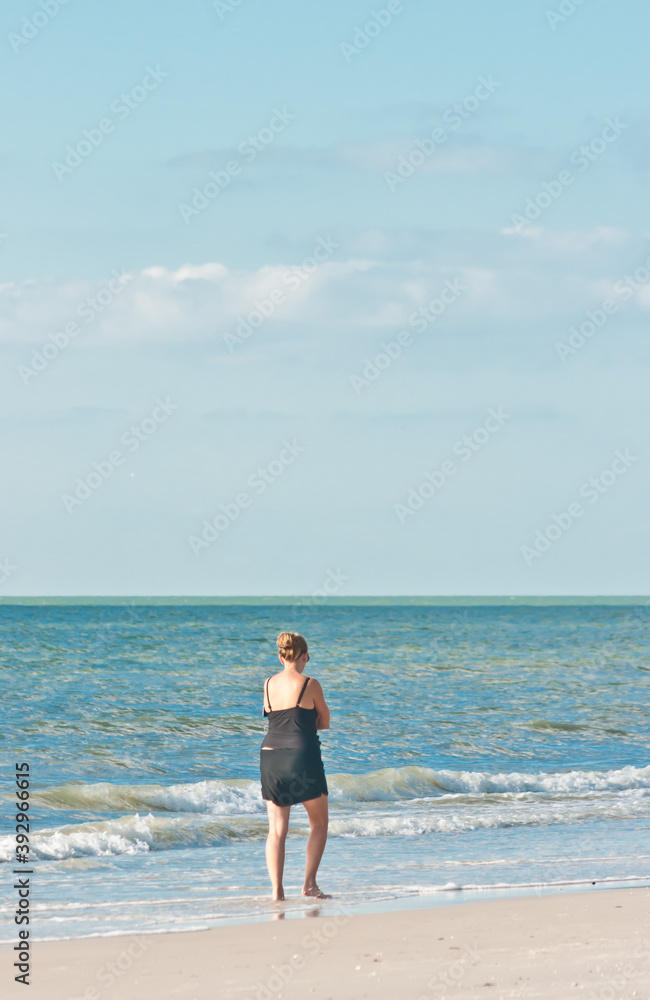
column 318, row 818
column 278, row 826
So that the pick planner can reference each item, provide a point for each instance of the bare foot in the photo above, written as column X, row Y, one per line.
column 314, row 892
column 278, row 897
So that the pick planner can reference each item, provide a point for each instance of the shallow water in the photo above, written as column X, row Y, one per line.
column 469, row 747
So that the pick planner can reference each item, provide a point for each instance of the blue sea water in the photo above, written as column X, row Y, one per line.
column 471, row 748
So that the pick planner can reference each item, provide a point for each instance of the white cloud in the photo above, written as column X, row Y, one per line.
column 552, row 275
column 570, row 241
column 462, row 153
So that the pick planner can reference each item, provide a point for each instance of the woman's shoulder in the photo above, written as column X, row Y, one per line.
column 304, row 680
column 308, row 682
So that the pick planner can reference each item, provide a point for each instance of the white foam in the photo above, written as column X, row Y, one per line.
column 393, row 802
column 219, row 797
column 127, row 835
column 237, row 797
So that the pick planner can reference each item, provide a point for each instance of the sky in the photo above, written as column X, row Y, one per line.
column 327, row 298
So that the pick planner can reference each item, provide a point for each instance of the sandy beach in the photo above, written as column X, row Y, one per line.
column 592, row 943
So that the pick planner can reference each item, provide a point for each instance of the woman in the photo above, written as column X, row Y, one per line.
column 290, row 761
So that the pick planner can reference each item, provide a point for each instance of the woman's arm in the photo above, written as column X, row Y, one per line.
column 323, row 717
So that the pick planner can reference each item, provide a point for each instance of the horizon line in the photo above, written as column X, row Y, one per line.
column 323, row 601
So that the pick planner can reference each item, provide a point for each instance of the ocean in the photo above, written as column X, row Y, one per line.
column 474, row 748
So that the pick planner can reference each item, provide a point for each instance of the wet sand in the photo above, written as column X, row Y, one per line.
column 570, row 944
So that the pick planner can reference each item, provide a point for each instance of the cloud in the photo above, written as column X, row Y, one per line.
column 458, row 156
column 635, row 147
column 570, row 241
column 514, row 283
column 462, row 154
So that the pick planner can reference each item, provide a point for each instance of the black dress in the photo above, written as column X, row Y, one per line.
column 292, row 769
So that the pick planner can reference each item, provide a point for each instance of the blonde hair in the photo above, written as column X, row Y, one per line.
column 291, row 645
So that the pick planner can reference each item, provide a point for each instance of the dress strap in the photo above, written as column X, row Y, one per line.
column 307, row 680
column 266, row 688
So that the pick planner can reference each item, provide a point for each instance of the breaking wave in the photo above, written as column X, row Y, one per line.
column 392, row 802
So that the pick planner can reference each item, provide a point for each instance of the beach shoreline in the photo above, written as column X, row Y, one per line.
column 569, row 943
column 482, row 773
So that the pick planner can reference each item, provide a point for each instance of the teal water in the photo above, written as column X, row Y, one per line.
column 471, row 747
